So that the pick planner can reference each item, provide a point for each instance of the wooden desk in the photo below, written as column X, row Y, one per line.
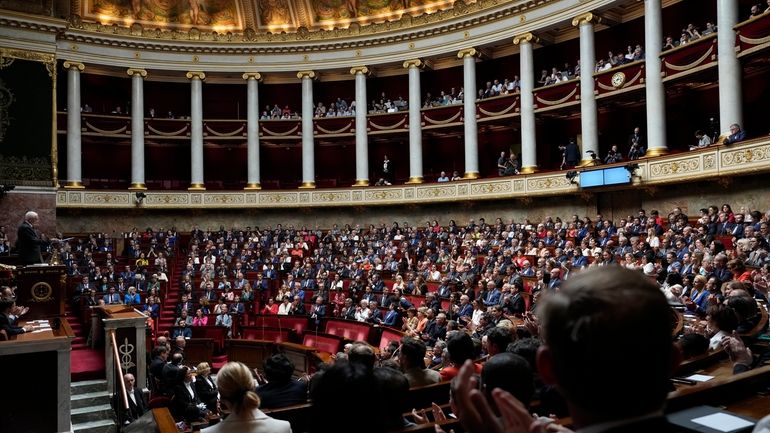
column 38, row 367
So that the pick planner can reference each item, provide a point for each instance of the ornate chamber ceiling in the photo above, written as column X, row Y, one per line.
column 272, row 16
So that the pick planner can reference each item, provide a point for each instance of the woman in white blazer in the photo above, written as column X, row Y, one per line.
column 236, row 390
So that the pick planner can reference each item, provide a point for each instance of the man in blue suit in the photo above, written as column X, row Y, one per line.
column 493, row 295
column 112, row 297
column 391, row 319
column 736, row 134
column 318, row 311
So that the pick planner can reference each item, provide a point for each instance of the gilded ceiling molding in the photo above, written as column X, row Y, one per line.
column 307, row 74
column 136, row 71
column 360, row 70
column 255, row 75
column 468, row 52
column 74, row 65
column 588, row 17
column 196, row 74
column 526, row 38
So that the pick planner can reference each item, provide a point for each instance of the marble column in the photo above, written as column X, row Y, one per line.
column 588, row 122
column 74, row 161
column 252, row 130
column 137, row 128
column 362, row 139
column 308, row 143
column 415, row 121
column 469, row 112
column 196, row 130
column 654, row 91
column 527, row 102
column 730, row 71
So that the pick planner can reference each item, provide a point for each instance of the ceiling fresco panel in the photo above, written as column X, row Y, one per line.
column 218, row 15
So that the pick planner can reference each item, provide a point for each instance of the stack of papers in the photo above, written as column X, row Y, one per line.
column 40, row 326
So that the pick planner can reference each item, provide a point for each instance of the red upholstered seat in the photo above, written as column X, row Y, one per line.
column 347, row 329
column 388, row 335
column 323, row 342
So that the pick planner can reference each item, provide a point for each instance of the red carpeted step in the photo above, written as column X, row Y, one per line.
column 86, row 364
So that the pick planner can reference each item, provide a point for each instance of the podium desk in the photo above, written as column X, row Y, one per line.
column 37, row 374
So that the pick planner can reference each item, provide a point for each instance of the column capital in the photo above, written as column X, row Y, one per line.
column 69, row 64
column 363, row 70
column 196, row 74
column 526, row 38
column 136, row 71
column 588, row 17
column 255, row 75
column 468, row 52
column 307, row 74
column 416, row 63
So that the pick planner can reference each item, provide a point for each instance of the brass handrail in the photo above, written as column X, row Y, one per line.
column 116, row 356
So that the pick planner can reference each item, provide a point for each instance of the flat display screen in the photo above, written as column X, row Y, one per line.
column 591, row 178
column 616, row 176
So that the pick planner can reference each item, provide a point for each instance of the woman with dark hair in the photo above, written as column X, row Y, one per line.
column 722, row 321
column 237, row 396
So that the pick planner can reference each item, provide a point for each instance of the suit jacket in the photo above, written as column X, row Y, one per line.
column 274, row 395
column 7, row 324
column 518, row 304
column 184, row 405
column 135, row 409
column 29, row 245
column 207, row 392
column 391, row 319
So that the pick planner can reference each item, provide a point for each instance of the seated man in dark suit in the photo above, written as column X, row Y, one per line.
column 136, row 404
column 586, row 350
column 280, row 390
column 736, row 134
column 6, row 322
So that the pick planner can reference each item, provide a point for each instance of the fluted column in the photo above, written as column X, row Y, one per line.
column 252, row 130
column 469, row 113
column 527, row 102
column 137, row 128
column 730, row 96
column 588, row 122
column 196, row 130
column 74, row 173
column 655, row 93
column 308, row 144
column 362, row 139
column 415, row 121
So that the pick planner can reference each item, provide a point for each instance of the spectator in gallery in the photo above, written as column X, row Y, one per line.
column 456, row 176
column 736, row 134
column 636, row 143
column 501, row 164
column 703, row 140
column 443, row 177
column 613, row 155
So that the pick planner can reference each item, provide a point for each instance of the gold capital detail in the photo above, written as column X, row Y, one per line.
column 587, row 17
column 414, row 180
column 360, row 70
column 255, row 75
column 74, row 184
column 308, row 74
column 307, row 185
column 196, row 74
column 253, row 186
column 528, row 169
column 74, row 65
column 361, row 182
column 526, row 37
column 468, row 52
column 137, row 186
column 197, row 187
column 656, row 151
column 417, row 63
column 136, row 71
column 471, row 175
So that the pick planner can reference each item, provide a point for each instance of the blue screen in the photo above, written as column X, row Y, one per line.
column 591, row 178
column 616, row 176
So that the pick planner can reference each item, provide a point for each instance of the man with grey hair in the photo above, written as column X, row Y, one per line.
column 29, row 244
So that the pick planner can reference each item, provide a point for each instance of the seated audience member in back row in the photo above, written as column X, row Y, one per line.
column 412, row 360
column 278, row 388
column 591, row 339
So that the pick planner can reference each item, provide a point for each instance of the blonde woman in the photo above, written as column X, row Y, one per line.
column 237, row 396
column 206, row 387
column 399, row 283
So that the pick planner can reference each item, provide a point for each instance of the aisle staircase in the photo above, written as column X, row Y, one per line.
column 91, row 411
